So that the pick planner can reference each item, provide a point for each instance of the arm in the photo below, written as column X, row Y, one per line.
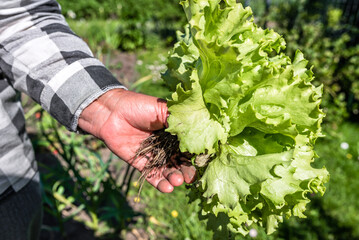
column 43, row 58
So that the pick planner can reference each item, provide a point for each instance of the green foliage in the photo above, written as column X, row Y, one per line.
column 100, row 35
column 139, row 25
column 328, row 44
column 99, row 9
column 252, row 110
column 81, row 187
column 333, row 216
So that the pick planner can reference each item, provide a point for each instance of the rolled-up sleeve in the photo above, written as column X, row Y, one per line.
column 43, row 58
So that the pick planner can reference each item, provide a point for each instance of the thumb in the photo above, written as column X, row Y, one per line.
column 143, row 112
column 162, row 115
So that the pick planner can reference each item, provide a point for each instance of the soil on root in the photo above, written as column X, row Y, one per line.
column 162, row 151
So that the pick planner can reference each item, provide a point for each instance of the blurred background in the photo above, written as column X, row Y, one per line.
column 90, row 194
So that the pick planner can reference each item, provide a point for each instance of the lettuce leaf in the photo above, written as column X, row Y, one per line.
column 239, row 99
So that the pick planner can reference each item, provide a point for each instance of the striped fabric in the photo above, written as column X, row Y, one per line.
column 42, row 57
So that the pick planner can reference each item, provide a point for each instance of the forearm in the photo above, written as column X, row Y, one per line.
column 43, row 58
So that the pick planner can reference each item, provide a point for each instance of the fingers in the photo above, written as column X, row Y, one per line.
column 164, row 186
column 189, row 173
column 172, row 177
column 166, row 181
column 159, row 182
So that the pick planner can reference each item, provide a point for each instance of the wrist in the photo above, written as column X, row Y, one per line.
column 95, row 115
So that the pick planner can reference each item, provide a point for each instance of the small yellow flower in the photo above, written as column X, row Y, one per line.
column 135, row 184
column 136, row 199
column 349, row 156
column 174, row 213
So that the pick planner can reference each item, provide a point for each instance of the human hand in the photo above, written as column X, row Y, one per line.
column 123, row 119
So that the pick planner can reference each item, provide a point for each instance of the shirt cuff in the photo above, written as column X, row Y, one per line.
column 74, row 125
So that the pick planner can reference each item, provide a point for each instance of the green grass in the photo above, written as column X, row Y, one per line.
column 341, row 199
column 170, row 216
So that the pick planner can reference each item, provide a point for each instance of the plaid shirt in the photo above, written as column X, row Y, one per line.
column 42, row 57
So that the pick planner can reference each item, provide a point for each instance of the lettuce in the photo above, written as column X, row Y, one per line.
column 255, row 113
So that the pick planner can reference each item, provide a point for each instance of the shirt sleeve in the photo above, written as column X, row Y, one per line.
column 43, row 58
